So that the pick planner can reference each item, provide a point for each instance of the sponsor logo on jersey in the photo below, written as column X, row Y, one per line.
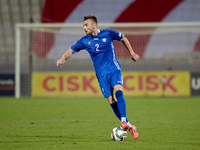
column 89, row 42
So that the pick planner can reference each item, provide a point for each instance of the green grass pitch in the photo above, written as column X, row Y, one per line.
column 86, row 123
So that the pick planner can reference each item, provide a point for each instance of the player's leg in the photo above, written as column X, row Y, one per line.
column 117, row 83
column 121, row 103
column 113, row 105
column 107, row 92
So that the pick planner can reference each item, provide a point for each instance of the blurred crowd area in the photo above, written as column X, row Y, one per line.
column 36, row 11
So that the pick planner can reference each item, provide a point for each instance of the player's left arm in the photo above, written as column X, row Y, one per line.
column 127, row 44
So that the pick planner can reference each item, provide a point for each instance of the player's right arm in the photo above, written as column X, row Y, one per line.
column 73, row 49
column 67, row 55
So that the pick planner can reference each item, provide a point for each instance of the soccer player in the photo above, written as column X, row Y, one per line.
column 99, row 44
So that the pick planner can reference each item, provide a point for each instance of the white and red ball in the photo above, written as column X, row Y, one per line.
column 118, row 134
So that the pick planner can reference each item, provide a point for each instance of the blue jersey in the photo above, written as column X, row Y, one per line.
column 101, row 50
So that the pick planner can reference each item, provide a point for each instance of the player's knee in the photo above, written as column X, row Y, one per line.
column 118, row 87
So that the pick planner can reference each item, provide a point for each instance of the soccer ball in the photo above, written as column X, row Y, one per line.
column 118, row 134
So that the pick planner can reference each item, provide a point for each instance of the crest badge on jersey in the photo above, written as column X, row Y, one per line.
column 104, row 39
column 89, row 42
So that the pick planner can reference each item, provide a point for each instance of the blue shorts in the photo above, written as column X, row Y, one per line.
column 108, row 82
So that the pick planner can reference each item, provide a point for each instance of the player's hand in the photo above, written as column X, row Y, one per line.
column 135, row 57
column 60, row 62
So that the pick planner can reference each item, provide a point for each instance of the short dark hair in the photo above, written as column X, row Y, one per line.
column 92, row 17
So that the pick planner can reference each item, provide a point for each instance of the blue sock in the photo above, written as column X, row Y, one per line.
column 121, row 104
column 115, row 110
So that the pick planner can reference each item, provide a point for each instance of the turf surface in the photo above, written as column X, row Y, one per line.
column 86, row 123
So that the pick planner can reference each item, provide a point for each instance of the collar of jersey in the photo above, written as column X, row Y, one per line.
column 97, row 34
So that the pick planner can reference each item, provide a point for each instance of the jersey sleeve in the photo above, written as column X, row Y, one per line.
column 116, row 35
column 78, row 46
